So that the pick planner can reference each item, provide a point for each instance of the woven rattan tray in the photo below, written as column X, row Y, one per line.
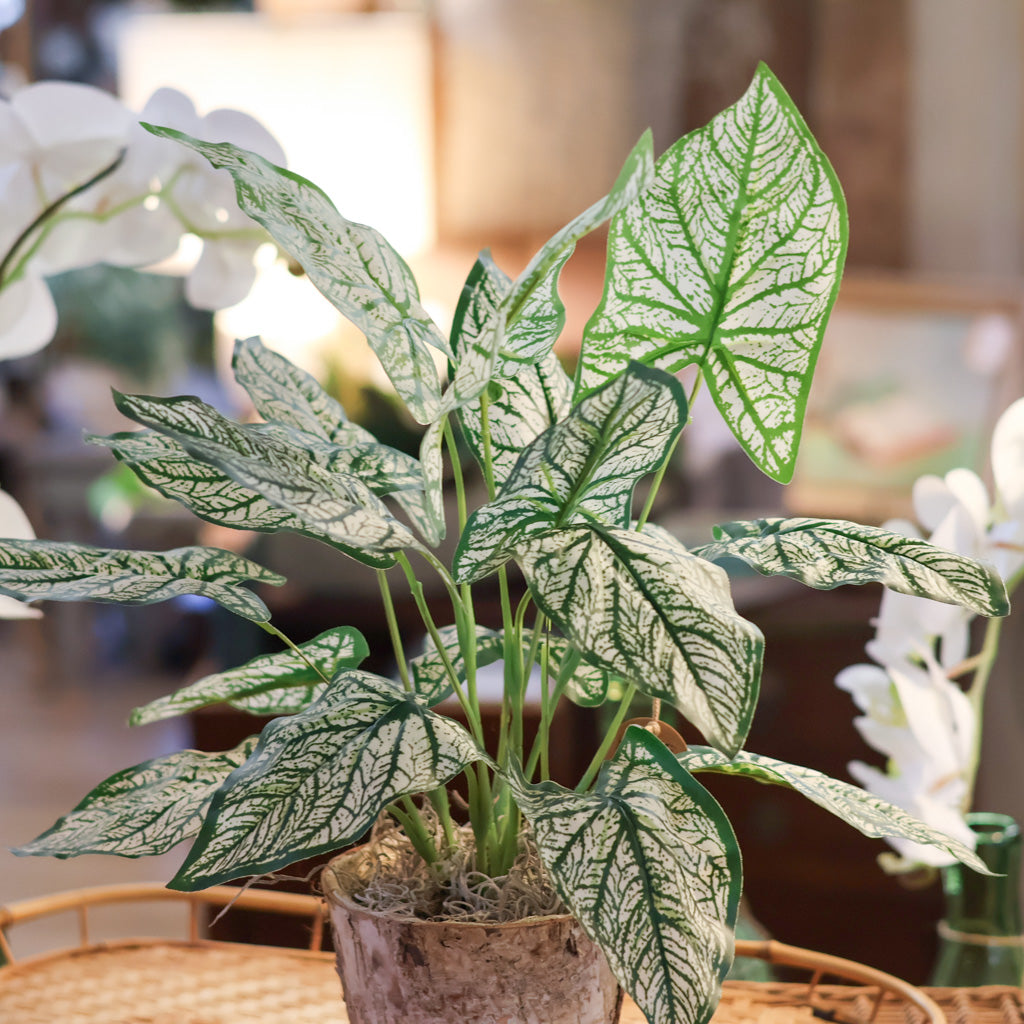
column 194, row 981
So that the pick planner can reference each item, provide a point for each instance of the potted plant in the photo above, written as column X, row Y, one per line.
column 725, row 254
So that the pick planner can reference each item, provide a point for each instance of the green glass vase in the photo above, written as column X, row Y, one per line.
column 980, row 936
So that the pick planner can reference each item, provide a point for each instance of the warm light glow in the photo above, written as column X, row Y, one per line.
column 349, row 98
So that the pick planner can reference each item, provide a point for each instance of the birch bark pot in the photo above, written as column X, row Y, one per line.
column 397, row 970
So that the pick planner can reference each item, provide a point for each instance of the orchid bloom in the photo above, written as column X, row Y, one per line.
column 57, row 136
column 14, row 523
column 913, row 710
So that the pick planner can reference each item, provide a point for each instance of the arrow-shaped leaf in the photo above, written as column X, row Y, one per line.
column 290, row 470
column 827, row 553
column 583, row 469
column 42, row 570
column 318, row 779
column 352, row 265
column 641, row 606
column 867, row 813
column 281, row 683
column 144, row 810
column 730, row 260
column 648, row 864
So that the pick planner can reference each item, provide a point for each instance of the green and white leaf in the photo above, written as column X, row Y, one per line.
column 286, row 469
column 730, row 260
column 586, row 685
column 867, row 813
column 429, row 510
column 281, row 683
column 46, row 570
column 519, row 410
column 318, row 779
column 430, row 673
column 281, row 392
column 648, row 864
column 641, row 606
column 533, row 313
column 583, row 469
column 352, row 265
column 144, row 810
column 827, row 553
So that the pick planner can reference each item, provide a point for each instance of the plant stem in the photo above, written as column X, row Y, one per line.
column 609, row 739
column 412, row 825
column 393, row 631
column 48, row 211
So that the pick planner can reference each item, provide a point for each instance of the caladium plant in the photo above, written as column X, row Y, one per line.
column 725, row 255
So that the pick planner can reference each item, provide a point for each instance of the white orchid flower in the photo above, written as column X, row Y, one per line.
column 14, row 525
column 914, row 713
column 55, row 137
column 205, row 197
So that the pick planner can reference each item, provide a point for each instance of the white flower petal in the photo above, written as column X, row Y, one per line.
column 1008, row 459
column 28, row 317
column 972, row 494
column 223, row 276
column 932, row 500
column 58, row 113
column 14, row 525
column 243, row 130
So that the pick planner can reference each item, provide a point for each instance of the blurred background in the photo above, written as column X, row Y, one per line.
column 453, row 125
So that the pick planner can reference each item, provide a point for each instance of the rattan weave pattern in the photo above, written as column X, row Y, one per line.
column 212, row 983
column 169, row 983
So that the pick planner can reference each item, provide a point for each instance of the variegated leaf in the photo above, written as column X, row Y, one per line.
column 352, row 265
column 281, row 683
column 430, row 675
column 730, row 260
column 142, row 811
column 318, row 779
column 587, row 685
column 827, row 553
column 46, row 570
column 648, row 864
column 641, row 606
column 519, row 410
column 429, row 513
column 583, row 469
column 866, row 812
column 287, row 470
column 281, row 392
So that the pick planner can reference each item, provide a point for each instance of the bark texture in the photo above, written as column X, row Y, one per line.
column 542, row 970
